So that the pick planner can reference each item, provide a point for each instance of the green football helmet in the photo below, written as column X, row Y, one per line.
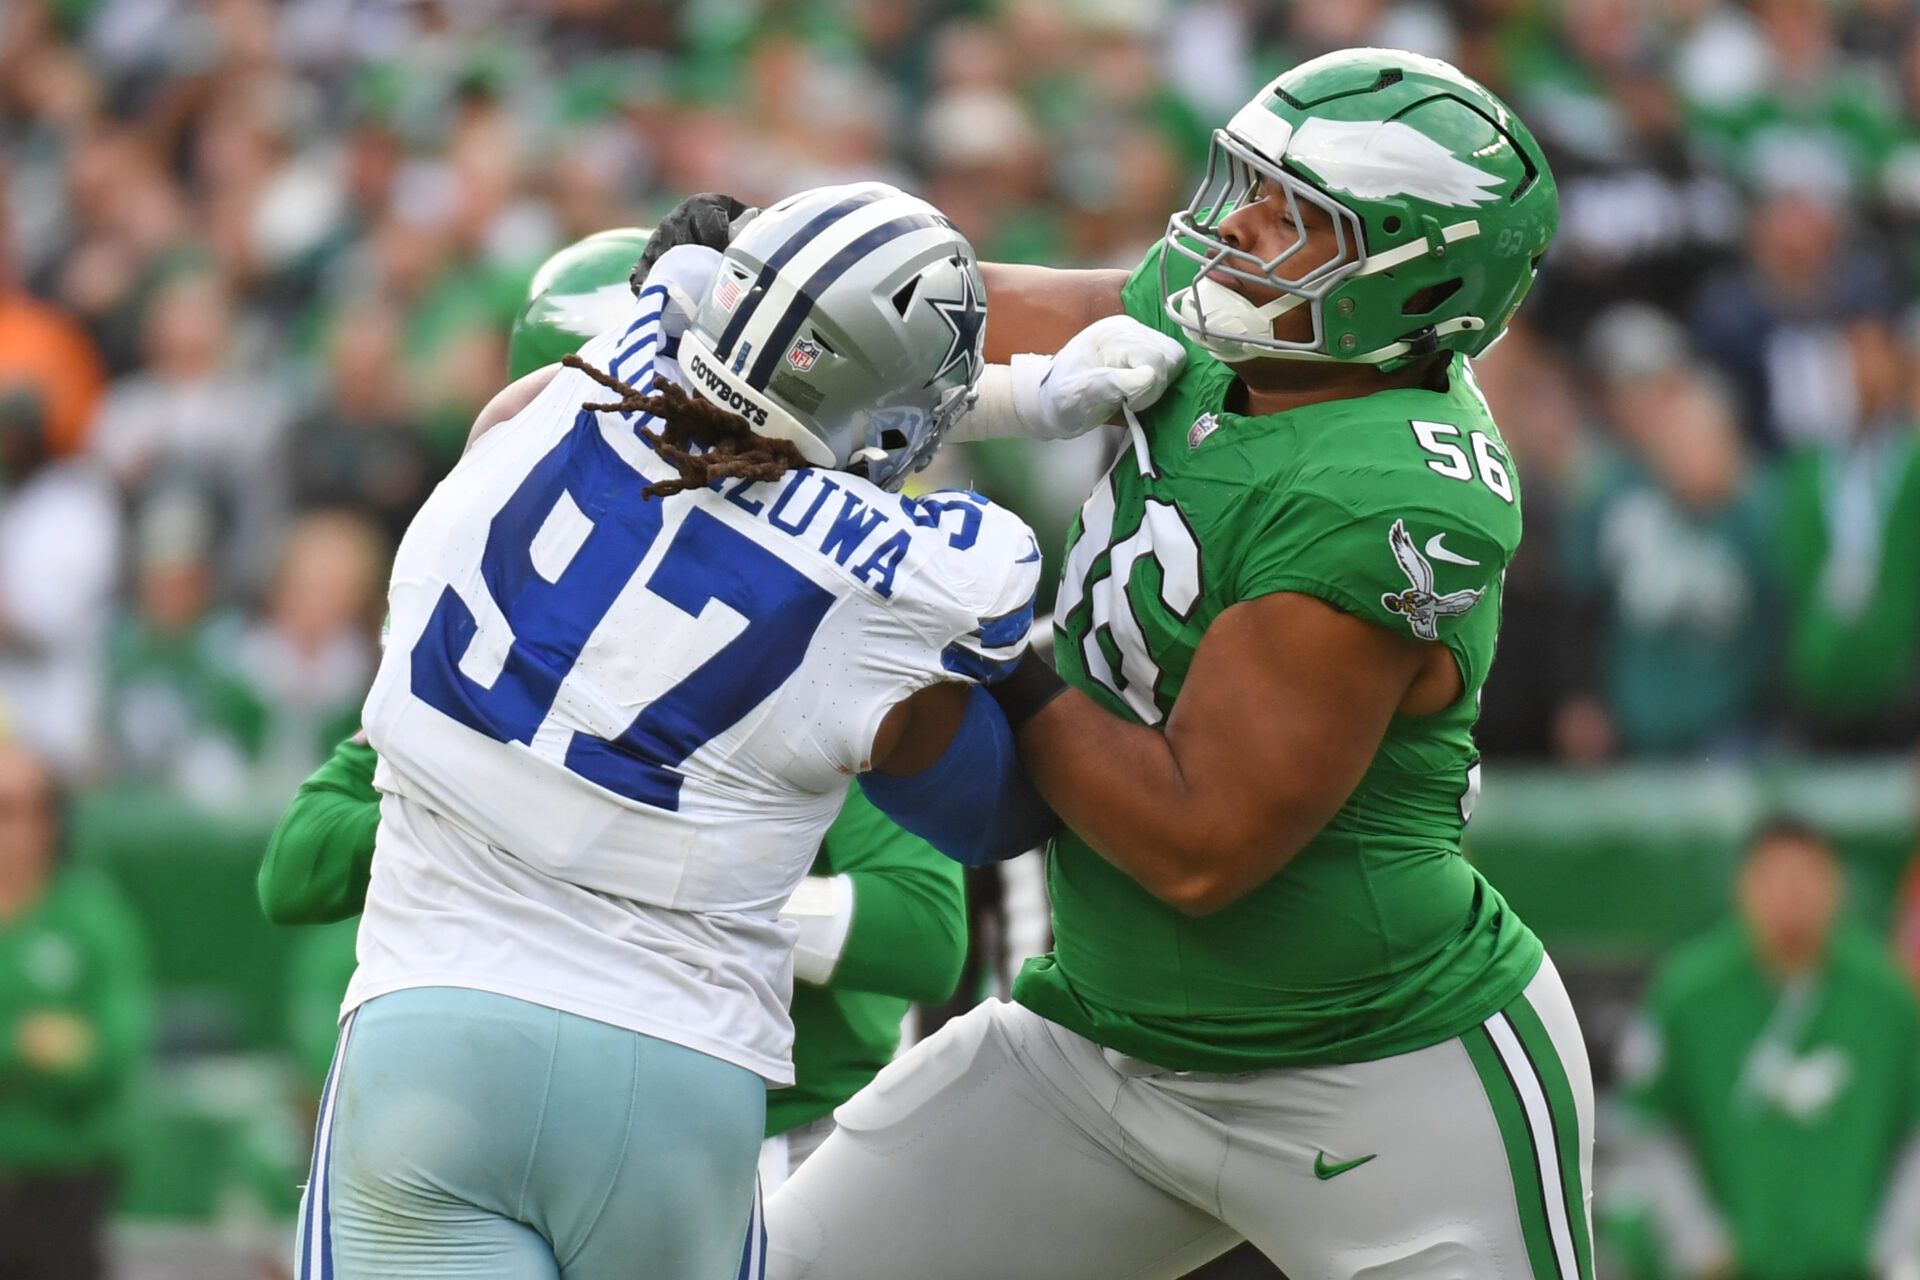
column 1441, row 201
column 578, row 292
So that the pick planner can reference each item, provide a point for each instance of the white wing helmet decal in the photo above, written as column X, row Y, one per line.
column 589, row 314
column 1418, row 604
column 1375, row 159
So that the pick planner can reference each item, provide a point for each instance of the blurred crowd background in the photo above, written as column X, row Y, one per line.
column 258, row 260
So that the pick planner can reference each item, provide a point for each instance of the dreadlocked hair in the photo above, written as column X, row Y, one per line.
column 730, row 447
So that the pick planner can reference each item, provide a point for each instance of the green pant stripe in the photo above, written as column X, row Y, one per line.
column 1529, row 1188
column 1545, row 1057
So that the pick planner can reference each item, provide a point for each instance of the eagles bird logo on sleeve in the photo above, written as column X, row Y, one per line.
column 1418, row 604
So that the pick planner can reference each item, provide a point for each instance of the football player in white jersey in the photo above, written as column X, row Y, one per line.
column 639, row 645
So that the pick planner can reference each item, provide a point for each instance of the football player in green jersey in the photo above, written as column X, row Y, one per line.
column 1281, row 1006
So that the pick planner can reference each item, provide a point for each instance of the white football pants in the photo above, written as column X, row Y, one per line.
column 1008, row 1147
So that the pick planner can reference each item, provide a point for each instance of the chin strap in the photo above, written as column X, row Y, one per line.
column 1142, row 456
column 1427, row 338
column 1227, row 324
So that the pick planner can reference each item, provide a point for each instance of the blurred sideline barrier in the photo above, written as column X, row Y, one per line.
column 220, row 1120
column 217, row 963
column 1611, row 867
column 1615, row 866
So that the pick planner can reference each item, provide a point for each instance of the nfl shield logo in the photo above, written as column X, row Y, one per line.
column 803, row 354
column 727, row 293
column 1203, row 426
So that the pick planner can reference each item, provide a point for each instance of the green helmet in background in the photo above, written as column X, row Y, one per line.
column 580, row 291
column 1441, row 202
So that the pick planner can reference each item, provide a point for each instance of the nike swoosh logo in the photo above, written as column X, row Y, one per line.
column 1322, row 1170
column 1437, row 552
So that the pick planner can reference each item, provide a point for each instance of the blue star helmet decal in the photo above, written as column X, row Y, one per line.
column 966, row 316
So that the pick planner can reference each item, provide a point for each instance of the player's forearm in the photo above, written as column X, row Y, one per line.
column 320, row 861
column 320, row 857
column 909, row 935
column 1124, row 787
column 1037, row 309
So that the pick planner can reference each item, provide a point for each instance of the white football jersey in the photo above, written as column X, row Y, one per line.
column 612, row 732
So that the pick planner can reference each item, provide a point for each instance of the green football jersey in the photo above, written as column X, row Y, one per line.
column 1401, row 508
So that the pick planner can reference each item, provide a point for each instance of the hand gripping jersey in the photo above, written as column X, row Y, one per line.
column 1400, row 508
column 613, row 731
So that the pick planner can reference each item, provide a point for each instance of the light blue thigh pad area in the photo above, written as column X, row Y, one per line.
column 468, row 1134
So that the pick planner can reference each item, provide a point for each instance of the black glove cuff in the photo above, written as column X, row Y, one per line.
column 1031, row 687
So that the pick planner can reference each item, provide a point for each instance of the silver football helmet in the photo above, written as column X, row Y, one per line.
column 848, row 320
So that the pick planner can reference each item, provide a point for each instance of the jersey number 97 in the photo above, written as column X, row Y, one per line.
column 558, row 554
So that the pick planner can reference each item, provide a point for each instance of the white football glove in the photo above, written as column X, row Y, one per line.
column 1113, row 362
column 688, row 272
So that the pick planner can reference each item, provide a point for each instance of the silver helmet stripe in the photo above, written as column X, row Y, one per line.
column 900, row 243
column 861, row 195
column 809, row 289
column 788, row 325
column 760, row 313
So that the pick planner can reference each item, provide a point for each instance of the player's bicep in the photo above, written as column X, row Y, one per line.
column 915, row 731
column 1326, row 684
column 1417, row 574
